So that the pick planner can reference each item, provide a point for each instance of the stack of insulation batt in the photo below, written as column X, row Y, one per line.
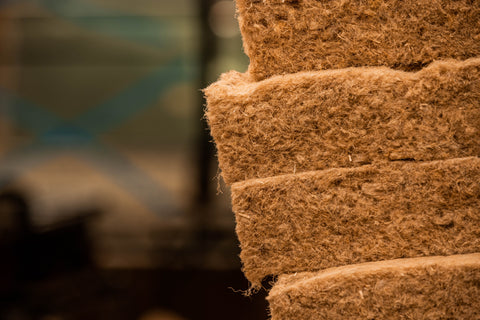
column 352, row 149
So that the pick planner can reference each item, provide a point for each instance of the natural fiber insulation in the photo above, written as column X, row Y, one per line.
column 288, row 36
column 422, row 288
column 344, row 118
column 322, row 219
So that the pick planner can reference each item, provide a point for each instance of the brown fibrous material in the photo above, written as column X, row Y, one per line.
column 421, row 288
column 288, row 36
column 344, row 118
column 323, row 219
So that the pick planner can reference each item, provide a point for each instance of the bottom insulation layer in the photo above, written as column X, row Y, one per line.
column 416, row 288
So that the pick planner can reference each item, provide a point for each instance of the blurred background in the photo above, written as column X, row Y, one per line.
column 110, row 201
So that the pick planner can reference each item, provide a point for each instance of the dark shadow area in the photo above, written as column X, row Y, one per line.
column 49, row 274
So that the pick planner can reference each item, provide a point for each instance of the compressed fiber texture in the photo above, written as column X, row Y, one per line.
column 323, row 219
column 421, row 288
column 344, row 118
column 288, row 36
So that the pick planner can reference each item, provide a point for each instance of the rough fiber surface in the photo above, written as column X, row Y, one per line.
column 422, row 288
column 288, row 36
column 344, row 118
column 322, row 219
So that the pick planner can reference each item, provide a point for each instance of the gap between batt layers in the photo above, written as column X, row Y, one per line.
column 265, row 180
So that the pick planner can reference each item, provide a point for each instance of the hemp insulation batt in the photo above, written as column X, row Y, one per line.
column 288, row 36
column 421, row 288
column 344, row 118
column 323, row 219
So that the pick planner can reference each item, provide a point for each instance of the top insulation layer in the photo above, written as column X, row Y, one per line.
column 288, row 36
column 344, row 118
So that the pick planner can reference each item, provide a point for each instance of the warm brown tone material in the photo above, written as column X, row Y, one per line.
column 288, row 36
column 422, row 288
column 330, row 218
column 344, row 118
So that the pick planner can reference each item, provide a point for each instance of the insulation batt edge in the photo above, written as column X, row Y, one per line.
column 344, row 118
column 322, row 219
column 418, row 288
column 289, row 36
